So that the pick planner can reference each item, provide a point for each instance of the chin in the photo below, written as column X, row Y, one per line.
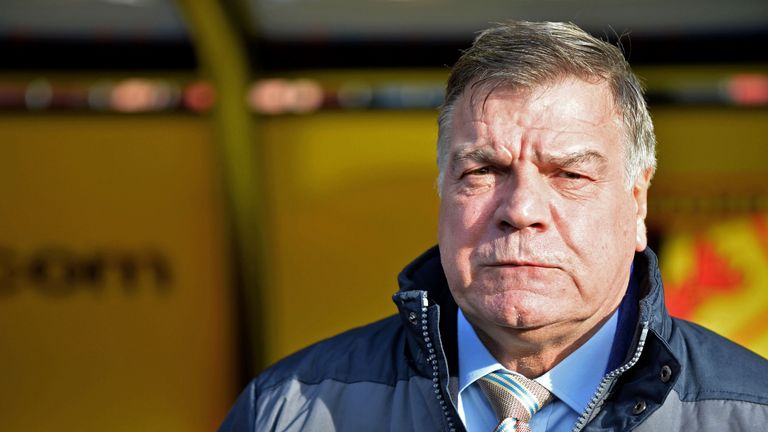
column 523, row 311
column 523, row 321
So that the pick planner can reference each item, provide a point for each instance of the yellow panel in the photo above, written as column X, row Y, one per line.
column 87, row 203
column 711, row 141
column 711, row 165
column 353, row 202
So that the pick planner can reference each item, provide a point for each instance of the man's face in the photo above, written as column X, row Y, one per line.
column 537, row 228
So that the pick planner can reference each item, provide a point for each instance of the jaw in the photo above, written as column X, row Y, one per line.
column 534, row 350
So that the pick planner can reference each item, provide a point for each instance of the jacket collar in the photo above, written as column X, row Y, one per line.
column 651, row 294
column 424, row 301
column 429, row 313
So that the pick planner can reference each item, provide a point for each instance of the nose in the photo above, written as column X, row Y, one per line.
column 522, row 202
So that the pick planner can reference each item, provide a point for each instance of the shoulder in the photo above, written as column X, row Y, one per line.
column 367, row 353
column 308, row 387
column 717, row 368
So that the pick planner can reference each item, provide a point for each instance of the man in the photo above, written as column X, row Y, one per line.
column 541, row 308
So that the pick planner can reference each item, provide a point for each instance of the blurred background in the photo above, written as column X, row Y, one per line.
column 190, row 190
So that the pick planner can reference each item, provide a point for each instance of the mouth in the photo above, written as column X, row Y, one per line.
column 516, row 263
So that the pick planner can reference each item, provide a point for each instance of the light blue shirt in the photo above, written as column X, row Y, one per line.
column 573, row 381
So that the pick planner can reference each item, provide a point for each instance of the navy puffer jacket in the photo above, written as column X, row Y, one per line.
column 399, row 374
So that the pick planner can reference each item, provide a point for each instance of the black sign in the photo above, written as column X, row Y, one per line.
column 62, row 272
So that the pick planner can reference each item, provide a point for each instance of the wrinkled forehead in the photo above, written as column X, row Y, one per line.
column 567, row 104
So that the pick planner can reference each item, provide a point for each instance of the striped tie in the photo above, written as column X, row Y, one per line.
column 514, row 398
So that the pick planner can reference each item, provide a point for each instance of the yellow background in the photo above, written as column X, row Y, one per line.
column 108, row 359
column 350, row 200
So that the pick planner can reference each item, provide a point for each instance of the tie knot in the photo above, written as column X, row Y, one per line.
column 514, row 396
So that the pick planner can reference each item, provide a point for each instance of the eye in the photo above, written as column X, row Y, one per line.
column 570, row 175
column 479, row 171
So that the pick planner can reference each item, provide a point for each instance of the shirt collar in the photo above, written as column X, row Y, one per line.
column 574, row 389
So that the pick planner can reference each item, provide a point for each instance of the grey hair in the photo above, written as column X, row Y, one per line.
column 526, row 55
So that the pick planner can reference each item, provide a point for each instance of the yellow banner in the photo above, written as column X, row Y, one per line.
column 115, row 309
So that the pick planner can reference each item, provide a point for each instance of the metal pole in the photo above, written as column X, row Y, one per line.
column 223, row 58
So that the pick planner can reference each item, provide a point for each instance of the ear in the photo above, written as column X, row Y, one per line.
column 640, row 194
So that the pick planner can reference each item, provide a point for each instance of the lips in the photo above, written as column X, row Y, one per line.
column 517, row 263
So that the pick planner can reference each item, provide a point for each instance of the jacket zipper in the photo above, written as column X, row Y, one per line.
column 598, row 398
column 432, row 359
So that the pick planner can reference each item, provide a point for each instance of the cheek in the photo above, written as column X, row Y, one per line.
column 460, row 220
column 597, row 236
column 460, row 231
column 609, row 243
column 467, row 212
column 625, row 228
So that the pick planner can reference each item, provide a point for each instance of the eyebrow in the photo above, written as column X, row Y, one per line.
column 578, row 158
column 486, row 154
column 480, row 154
